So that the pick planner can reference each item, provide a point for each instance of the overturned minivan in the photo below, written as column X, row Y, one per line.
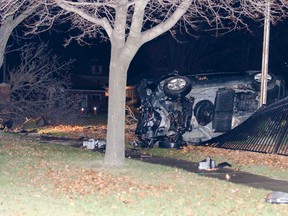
column 177, row 110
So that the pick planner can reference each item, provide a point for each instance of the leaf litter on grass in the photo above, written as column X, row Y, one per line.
column 75, row 182
column 41, row 171
column 271, row 165
column 163, row 191
column 93, row 131
column 243, row 158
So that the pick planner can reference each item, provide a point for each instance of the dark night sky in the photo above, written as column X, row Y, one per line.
column 236, row 51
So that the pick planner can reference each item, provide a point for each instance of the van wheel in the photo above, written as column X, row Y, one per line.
column 177, row 86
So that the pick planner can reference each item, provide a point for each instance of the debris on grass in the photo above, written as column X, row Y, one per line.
column 243, row 158
column 277, row 197
column 207, row 164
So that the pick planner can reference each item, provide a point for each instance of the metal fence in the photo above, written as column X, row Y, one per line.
column 265, row 131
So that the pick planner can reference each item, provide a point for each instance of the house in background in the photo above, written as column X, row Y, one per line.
column 88, row 87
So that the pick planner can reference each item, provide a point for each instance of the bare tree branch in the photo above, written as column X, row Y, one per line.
column 103, row 22
column 12, row 13
column 39, row 86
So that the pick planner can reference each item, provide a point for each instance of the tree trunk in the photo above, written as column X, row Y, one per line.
column 121, row 57
column 115, row 148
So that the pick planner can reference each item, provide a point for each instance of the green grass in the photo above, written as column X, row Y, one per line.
column 46, row 179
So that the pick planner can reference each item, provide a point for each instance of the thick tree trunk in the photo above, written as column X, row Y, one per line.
column 115, row 148
column 122, row 53
column 121, row 57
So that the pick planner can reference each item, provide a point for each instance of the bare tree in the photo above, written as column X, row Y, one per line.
column 129, row 24
column 39, row 86
column 12, row 13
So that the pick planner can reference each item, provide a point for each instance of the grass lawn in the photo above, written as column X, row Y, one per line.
column 48, row 179
column 270, row 165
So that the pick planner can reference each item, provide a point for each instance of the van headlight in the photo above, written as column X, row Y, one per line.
column 257, row 77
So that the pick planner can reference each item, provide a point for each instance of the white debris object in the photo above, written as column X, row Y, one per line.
column 277, row 197
column 90, row 144
column 100, row 144
column 207, row 164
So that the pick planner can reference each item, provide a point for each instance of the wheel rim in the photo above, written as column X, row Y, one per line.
column 176, row 84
